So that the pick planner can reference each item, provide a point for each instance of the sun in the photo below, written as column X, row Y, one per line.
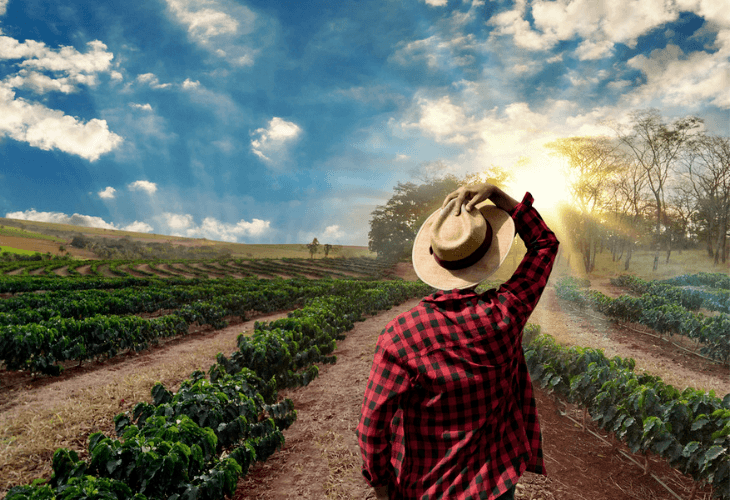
column 544, row 177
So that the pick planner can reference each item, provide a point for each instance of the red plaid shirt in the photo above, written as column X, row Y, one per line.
column 448, row 410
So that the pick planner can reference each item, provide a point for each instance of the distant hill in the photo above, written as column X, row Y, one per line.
column 96, row 243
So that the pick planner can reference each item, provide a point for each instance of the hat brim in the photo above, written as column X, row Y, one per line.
column 430, row 272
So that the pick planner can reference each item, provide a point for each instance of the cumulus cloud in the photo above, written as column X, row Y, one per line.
column 441, row 119
column 213, row 229
column 436, row 3
column 48, row 129
column 677, row 78
column 152, row 80
column 77, row 220
column 599, row 23
column 271, row 143
column 189, row 84
column 138, row 227
column 513, row 23
column 108, row 193
column 218, row 25
column 3, row 6
column 146, row 186
column 333, row 233
column 178, row 221
column 42, row 69
column 69, row 66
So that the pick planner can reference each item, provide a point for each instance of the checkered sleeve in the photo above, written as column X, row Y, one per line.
column 387, row 382
column 529, row 279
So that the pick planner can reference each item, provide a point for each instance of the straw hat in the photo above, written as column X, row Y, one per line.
column 453, row 251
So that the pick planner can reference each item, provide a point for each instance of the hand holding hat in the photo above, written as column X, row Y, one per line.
column 455, row 250
column 477, row 193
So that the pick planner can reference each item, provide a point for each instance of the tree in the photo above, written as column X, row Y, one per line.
column 327, row 248
column 708, row 172
column 656, row 147
column 592, row 164
column 313, row 246
column 393, row 226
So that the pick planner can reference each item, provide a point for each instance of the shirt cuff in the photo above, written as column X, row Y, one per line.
column 522, row 207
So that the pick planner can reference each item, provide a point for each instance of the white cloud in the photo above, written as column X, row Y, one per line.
column 61, row 218
column 205, row 21
column 590, row 50
column 332, row 234
column 77, row 220
column 69, row 60
column 40, row 83
column 436, row 3
column 512, row 23
column 599, row 24
column 498, row 136
column 48, row 129
column 43, row 69
column 218, row 25
column 437, row 51
column 146, row 186
column 618, row 84
column 138, row 227
column 189, row 84
column 677, row 78
column 214, row 229
column 144, row 107
column 152, row 80
column 3, row 6
column 108, row 193
column 178, row 221
column 77, row 67
column 443, row 120
column 271, row 144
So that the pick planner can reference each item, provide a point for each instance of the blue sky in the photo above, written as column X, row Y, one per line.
column 264, row 121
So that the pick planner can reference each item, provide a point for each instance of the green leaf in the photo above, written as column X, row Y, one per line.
column 699, row 422
column 690, row 448
column 712, row 454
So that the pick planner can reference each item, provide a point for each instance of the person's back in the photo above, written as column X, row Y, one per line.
column 448, row 410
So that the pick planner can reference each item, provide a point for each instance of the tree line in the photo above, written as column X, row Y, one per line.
column 652, row 184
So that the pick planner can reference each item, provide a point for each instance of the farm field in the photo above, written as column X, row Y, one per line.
column 319, row 458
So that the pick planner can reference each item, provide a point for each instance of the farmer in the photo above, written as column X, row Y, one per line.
column 448, row 411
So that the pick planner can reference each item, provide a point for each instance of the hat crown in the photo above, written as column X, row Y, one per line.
column 454, row 237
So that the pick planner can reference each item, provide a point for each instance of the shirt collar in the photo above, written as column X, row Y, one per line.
column 449, row 295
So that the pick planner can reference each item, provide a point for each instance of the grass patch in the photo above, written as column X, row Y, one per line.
column 20, row 233
column 17, row 250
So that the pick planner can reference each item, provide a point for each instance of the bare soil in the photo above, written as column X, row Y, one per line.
column 321, row 458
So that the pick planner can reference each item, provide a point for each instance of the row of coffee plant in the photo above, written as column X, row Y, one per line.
column 203, row 268
column 39, row 332
column 690, row 428
column 658, row 312
column 693, row 298
column 717, row 281
column 196, row 443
